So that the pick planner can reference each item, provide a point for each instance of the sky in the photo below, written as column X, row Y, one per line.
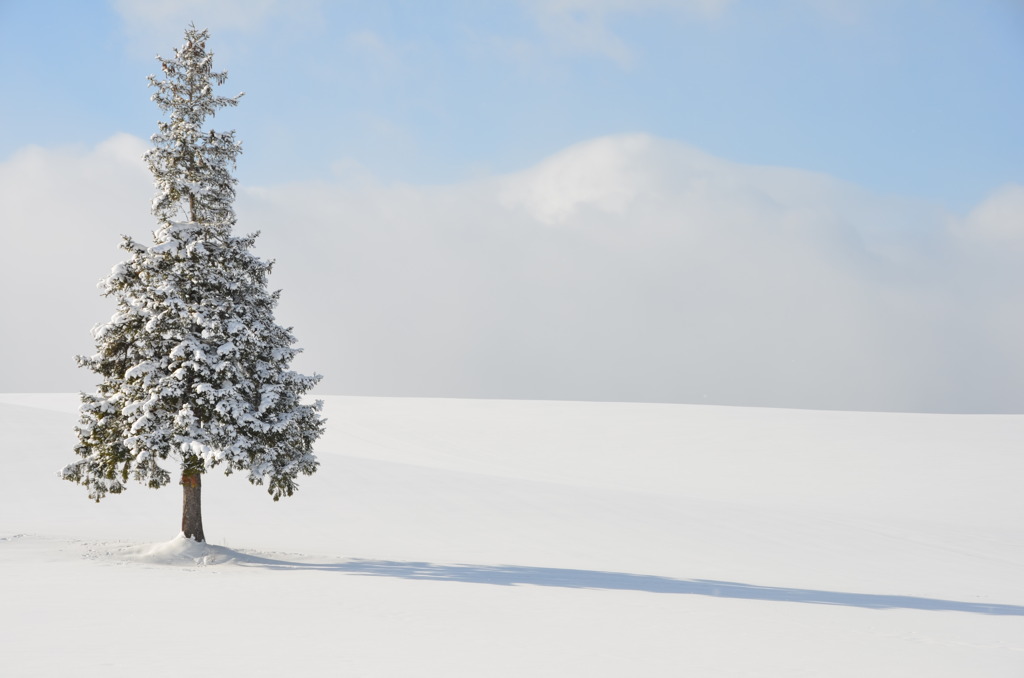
column 803, row 203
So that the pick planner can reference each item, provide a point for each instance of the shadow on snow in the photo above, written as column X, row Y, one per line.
column 513, row 575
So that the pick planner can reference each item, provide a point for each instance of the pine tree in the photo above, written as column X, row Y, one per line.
column 194, row 369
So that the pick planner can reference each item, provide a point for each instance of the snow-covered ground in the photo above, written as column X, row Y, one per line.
column 501, row 538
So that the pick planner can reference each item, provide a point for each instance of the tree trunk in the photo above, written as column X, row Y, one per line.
column 192, row 507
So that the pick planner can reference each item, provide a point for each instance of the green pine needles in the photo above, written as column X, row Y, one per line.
column 194, row 369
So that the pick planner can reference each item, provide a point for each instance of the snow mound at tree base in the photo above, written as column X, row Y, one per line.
column 181, row 550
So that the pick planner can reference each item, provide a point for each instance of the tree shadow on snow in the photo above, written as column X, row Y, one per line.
column 514, row 575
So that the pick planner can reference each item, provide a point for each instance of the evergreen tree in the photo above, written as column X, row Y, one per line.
column 194, row 369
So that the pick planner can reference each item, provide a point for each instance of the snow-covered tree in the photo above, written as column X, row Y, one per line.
column 194, row 369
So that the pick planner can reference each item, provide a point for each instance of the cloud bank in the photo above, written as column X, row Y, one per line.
column 624, row 268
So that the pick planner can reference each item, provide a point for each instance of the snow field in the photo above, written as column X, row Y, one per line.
column 499, row 538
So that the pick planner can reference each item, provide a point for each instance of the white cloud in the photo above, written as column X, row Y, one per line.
column 849, row 12
column 625, row 268
column 233, row 14
column 1000, row 217
column 600, row 174
column 63, row 210
column 162, row 23
column 582, row 25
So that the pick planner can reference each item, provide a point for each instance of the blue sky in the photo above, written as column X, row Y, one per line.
column 915, row 97
column 801, row 203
